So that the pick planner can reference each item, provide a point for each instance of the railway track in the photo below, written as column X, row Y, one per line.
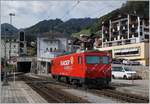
column 109, row 92
column 130, row 98
column 50, row 93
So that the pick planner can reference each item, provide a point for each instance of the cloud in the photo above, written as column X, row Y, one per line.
column 30, row 12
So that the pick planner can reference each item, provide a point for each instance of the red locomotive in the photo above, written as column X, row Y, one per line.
column 88, row 68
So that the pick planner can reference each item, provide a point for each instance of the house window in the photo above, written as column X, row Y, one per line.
column 21, row 45
column 51, row 49
column 146, row 36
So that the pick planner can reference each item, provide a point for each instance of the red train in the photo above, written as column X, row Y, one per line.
column 87, row 68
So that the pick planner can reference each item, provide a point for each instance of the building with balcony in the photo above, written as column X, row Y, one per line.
column 127, row 37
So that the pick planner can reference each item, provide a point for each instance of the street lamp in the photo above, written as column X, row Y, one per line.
column 10, row 14
column 5, row 82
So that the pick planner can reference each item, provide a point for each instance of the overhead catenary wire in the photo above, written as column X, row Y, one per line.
column 106, row 4
column 70, row 9
column 78, row 1
column 64, row 16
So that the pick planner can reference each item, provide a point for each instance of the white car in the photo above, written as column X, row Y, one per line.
column 123, row 72
column 128, row 62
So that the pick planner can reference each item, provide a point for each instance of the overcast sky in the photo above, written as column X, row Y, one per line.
column 28, row 13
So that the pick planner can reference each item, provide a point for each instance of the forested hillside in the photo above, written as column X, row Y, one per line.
column 140, row 8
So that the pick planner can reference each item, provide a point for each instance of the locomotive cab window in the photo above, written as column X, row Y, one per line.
column 92, row 59
column 105, row 60
column 79, row 60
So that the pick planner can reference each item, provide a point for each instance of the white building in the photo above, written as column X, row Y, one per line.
column 47, row 49
column 12, row 49
column 15, row 47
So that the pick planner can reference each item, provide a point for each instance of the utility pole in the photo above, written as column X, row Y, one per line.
column 11, row 15
column 5, row 82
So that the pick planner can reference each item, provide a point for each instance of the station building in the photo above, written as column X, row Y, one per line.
column 126, row 37
column 49, row 47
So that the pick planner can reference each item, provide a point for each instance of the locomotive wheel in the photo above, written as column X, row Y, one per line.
column 75, row 83
column 58, row 78
column 113, row 76
column 125, row 77
column 67, row 80
column 85, row 86
column 53, row 76
column 106, row 84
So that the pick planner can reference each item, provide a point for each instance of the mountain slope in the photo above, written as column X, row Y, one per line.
column 8, row 29
column 66, row 28
column 75, row 25
column 55, row 26
column 43, row 26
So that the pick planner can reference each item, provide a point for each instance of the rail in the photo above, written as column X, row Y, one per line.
column 126, row 97
column 50, row 93
column 109, row 92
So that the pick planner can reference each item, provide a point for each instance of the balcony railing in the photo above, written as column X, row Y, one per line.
column 120, row 42
column 147, row 33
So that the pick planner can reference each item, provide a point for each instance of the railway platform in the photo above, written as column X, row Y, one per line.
column 138, row 87
column 19, row 92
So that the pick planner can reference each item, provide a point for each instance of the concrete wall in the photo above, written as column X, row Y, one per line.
column 63, row 44
column 144, row 73
column 42, row 67
column 146, row 54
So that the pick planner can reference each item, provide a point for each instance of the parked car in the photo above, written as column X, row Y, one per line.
column 123, row 72
column 128, row 62
column 117, row 61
